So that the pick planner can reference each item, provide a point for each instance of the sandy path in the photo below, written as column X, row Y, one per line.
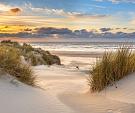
column 59, row 80
column 70, row 86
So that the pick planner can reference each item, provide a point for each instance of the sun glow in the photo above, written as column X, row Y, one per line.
column 13, row 28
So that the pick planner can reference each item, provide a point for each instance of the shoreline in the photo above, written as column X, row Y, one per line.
column 78, row 54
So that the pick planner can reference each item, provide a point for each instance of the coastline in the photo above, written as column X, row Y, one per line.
column 78, row 54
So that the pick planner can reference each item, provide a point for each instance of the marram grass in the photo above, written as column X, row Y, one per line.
column 10, row 62
column 111, row 68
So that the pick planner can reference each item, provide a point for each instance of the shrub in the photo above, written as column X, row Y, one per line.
column 10, row 43
column 10, row 63
column 27, row 48
column 25, row 75
column 34, row 56
column 112, row 67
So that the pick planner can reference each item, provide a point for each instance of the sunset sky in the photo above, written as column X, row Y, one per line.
column 29, row 15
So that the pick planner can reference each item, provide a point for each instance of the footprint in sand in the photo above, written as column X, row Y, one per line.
column 118, row 111
column 111, row 111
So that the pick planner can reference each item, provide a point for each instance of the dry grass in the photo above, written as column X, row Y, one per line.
column 10, row 63
column 112, row 67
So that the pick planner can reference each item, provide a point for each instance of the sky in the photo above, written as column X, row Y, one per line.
column 31, row 16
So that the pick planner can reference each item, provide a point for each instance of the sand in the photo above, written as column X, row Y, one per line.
column 69, row 85
column 64, row 89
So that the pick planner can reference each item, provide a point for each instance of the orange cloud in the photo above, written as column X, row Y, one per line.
column 15, row 10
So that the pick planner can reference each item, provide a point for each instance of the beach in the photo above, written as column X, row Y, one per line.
column 70, row 85
column 67, row 56
column 64, row 89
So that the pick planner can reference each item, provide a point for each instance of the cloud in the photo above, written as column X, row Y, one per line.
column 91, row 16
column 130, row 1
column 66, row 33
column 15, row 10
column 60, row 12
column 9, row 10
column 105, row 29
column 30, row 15
column 46, row 11
column 4, row 7
column 20, row 35
column 133, row 22
column 27, row 29
column 51, row 30
column 44, row 16
column 118, row 1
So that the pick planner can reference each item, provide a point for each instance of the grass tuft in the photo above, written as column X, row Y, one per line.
column 10, row 62
column 111, row 68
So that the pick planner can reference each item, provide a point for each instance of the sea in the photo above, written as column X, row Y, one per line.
column 81, row 54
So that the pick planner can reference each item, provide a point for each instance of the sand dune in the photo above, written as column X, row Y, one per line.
column 87, row 103
column 70, row 86
column 65, row 90
column 125, row 91
column 19, row 98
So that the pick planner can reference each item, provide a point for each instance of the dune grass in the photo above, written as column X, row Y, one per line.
column 10, row 62
column 111, row 68
column 33, row 56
